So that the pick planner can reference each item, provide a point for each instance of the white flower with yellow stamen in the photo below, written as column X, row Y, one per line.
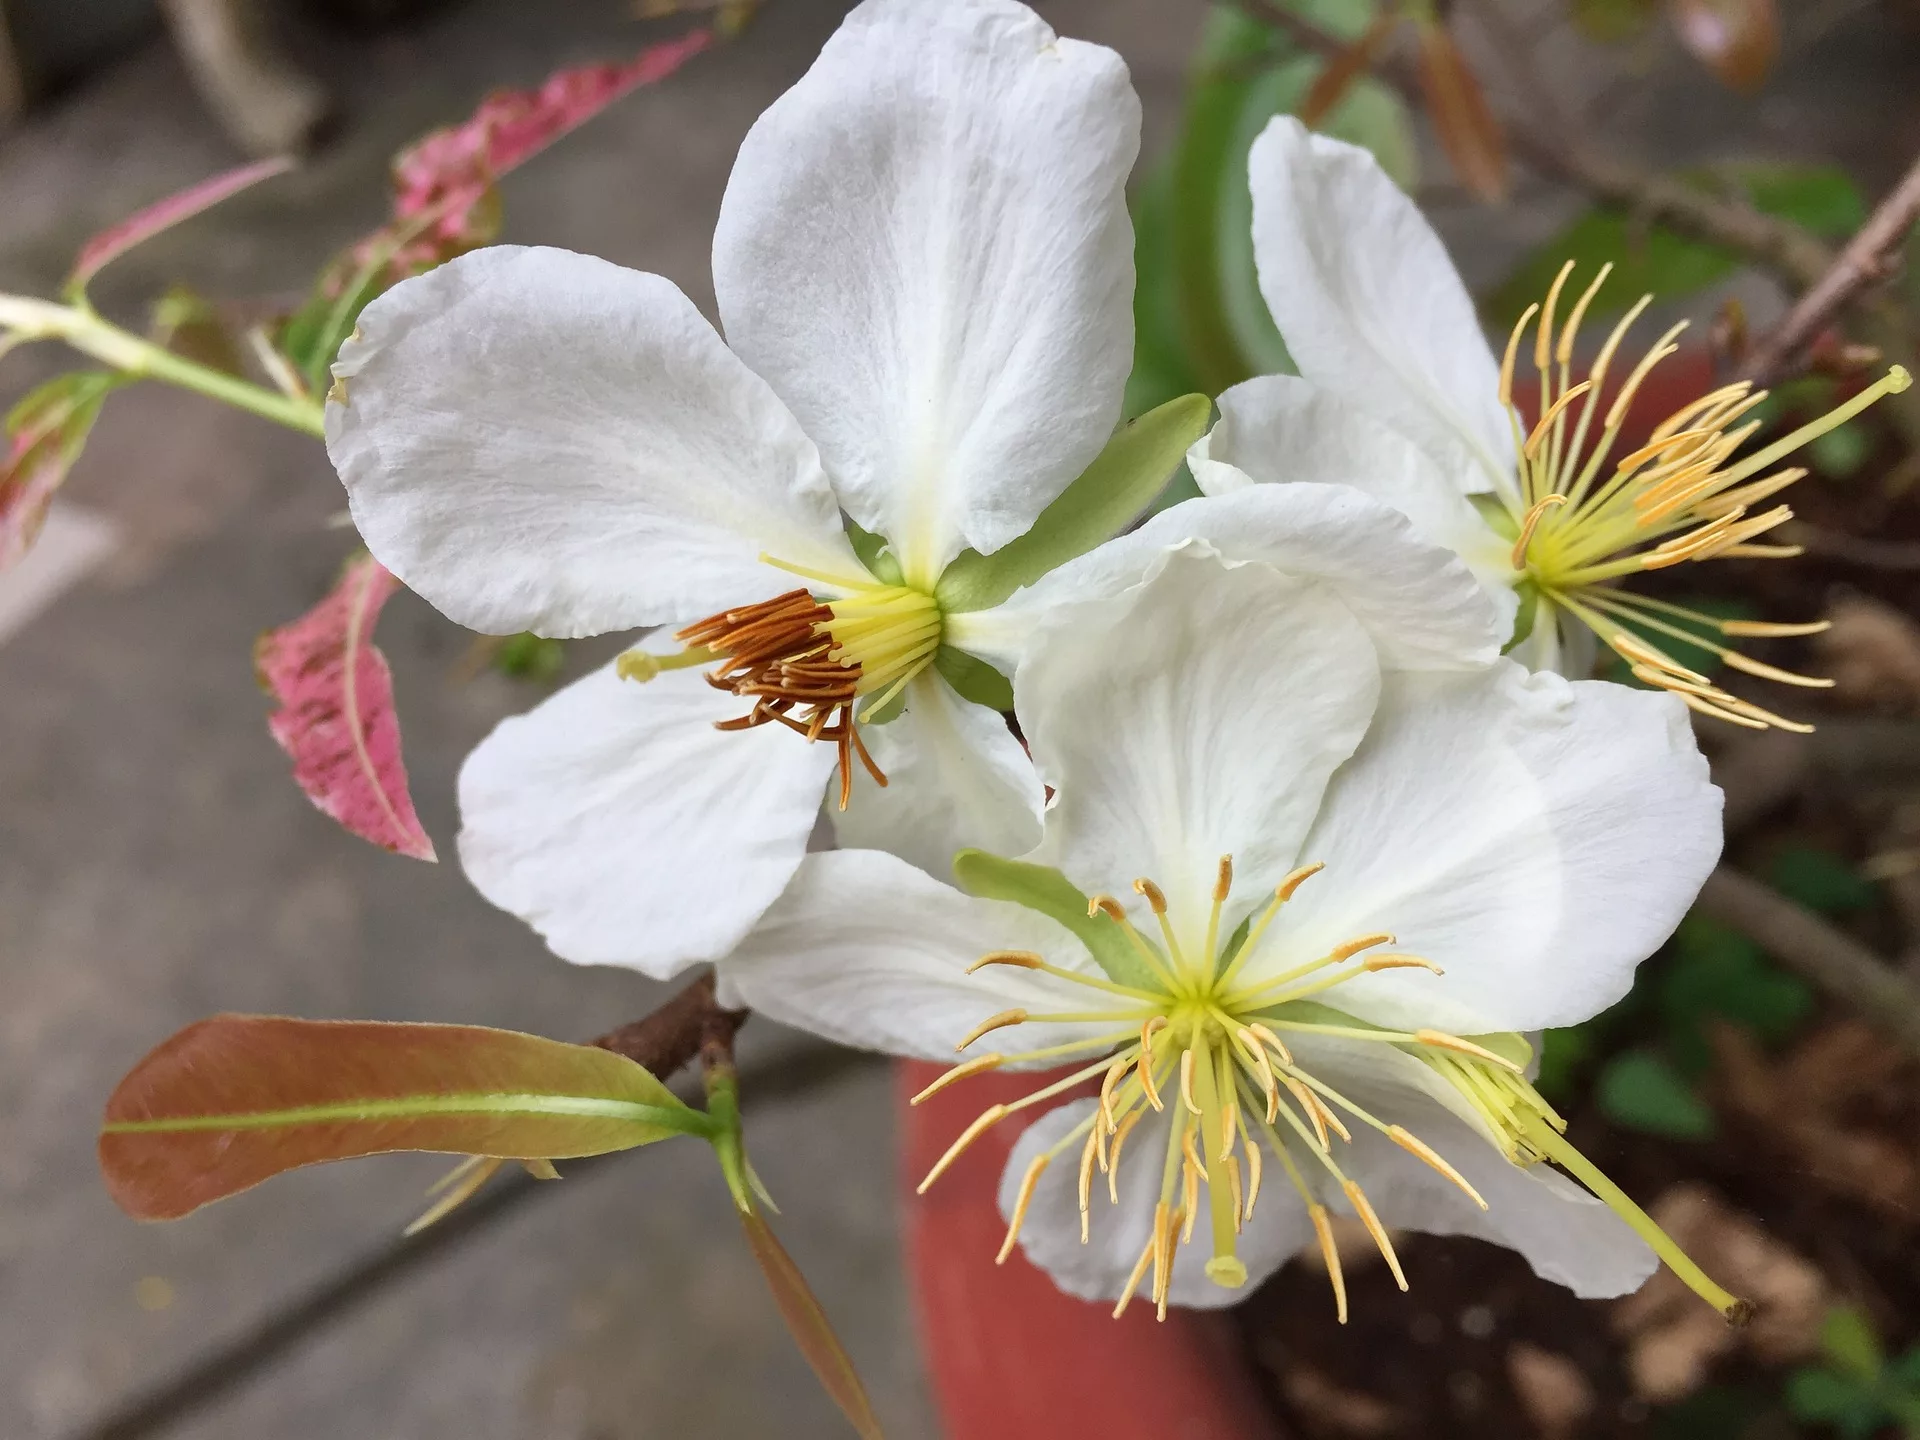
column 923, row 264
column 1291, row 915
column 1399, row 395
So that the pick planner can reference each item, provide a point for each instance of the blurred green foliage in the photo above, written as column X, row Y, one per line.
column 1857, row 1390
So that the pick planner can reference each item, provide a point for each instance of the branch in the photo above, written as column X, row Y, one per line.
column 1870, row 256
column 1548, row 142
column 673, row 1035
column 1834, row 961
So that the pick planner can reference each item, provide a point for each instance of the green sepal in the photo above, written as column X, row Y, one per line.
column 1231, row 950
column 1120, row 483
column 1526, row 617
column 1042, row 889
column 1493, row 510
column 974, row 679
column 1507, row 1045
column 874, row 554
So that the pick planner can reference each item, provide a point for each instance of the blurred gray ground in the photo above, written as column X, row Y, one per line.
column 156, row 863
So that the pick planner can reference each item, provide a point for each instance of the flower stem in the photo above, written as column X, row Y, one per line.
column 83, row 329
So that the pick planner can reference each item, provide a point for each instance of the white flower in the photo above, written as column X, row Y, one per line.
column 1399, row 394
column 1343, row 891
column 923, row 264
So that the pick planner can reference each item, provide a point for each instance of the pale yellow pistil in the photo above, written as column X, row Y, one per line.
column 1208, row 1049
column 821, row 667
column 1680, row 497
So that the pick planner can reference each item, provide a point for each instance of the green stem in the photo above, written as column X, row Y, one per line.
column 1551, row 1143
column 729, row 1143
column 127, row 353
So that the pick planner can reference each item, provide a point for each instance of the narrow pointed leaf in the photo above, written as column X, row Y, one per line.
column 235, row 1099
column 811, row 1330
column 45, row 433
column 1330, row 87
column 1047, row 891
column 1119, row 484
column 1466, row 127
column 336, row 716
column 1739, row 40
column 109, row 245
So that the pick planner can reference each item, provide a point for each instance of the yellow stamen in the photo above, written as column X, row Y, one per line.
column 1330, row 1253
column 978, row 1065
column 1518, row 556
column 1022, row 1199
column 1414, row 1145
column 982, row 1122
column 1364, row 1209
column 992, row 1023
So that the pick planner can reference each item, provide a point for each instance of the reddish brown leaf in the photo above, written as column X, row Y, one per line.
column 45, row 434
column 110, row 244
column 811, row 1329
column 1336, row 78
column 1466, row 127
column 336, row 715
column 1739, row 40
column 234, row 1100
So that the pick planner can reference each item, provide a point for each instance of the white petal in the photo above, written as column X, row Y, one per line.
column 1535, row 838
column 866, row 950
column 925, row 249
column 1565, row 1234
column 1199, row 716
column 1278, row 429
column 538, row 440
column 956, row 779
column 623, row 827
column 1116, row 1235
column 1368, row 302
column 1420, row 603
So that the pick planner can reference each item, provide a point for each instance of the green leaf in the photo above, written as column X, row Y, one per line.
column 1841, row 452
column 233, row 1100
column 527, row 656
column 1820, row 880
column 1819, row 1394
column 974, row 679
column 1161, row 371
column 1564, row 1053
column 1612, row 21
column 1050, row 893
column 1716, row 971
column 1110, row 493
column 811, row 1330
column 1640, row 1091
column 1821, row 198
column 1847, row 1338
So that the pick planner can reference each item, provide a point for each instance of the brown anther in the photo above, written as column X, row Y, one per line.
column 1254, row 1164
column 780, row 654
column 1147, row 1252
column 1108, row 906
column 1186, row 1081
column 1087, row 1155
column 1147, row 1085
column 1304, row 1098
column 1239, row 1193
column 1112, row 1078
column 1518, row 558
column 1349, row 948
column 1152, row 892
column 1283, row 892
column 1401, row 962
column 1223, row 882
column 1272, row 1041
column 991, row 1023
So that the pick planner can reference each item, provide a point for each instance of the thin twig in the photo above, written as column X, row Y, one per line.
column 1870, row 256
column 672, row 1035
column 1831, row 959
column 1549, row 144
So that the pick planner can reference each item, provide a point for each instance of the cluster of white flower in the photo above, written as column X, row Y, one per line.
column 1284, row 854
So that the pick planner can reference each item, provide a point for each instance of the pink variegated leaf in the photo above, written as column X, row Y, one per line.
column 110, row 244
column 453, row 169
column 45, row 434
column 336, row 716
column 445, row 203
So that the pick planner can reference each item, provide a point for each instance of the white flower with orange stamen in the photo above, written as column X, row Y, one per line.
column 1290, row 919
column 1399, row 394
column 923, row 264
